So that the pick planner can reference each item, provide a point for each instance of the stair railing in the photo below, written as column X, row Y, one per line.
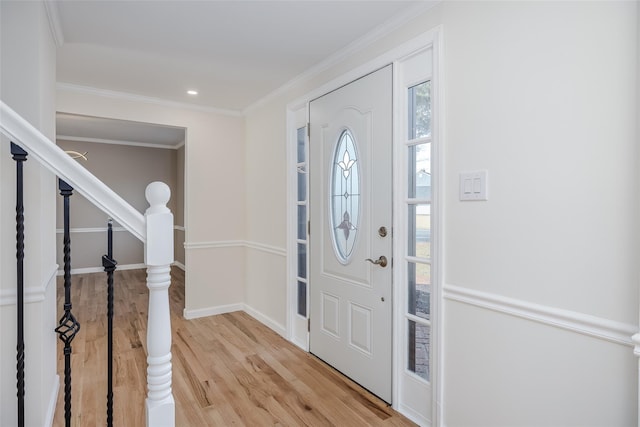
column 68, row 326
column 20, row 156
column 154, row 229
column 109, row 265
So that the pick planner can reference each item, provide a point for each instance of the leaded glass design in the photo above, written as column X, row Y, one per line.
column 345, row 196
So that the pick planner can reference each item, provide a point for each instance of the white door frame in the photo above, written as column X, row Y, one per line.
column 297, row 116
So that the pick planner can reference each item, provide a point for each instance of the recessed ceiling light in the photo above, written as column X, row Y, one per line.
column 192, row 92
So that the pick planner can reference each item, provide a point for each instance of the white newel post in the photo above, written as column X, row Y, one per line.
column 158, row 256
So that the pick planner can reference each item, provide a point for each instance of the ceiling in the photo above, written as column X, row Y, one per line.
column 234, row 53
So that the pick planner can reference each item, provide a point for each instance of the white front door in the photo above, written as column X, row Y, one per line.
column 350, row 181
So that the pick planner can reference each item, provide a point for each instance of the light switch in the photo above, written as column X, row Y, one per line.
column 473, row 185
column 467, row 186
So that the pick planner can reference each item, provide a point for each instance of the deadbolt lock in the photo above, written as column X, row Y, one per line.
column 382, row 231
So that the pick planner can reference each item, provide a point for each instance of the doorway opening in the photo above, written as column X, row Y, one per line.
column 126, row 156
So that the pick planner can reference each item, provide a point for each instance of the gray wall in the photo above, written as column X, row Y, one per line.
column 127, row 170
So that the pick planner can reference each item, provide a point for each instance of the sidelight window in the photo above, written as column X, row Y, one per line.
column 418, row 259
column 301, row 219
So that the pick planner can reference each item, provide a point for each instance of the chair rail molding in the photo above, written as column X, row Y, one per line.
column 596, row 327
column 636, row 344
column 31, row 294
column 274, row 250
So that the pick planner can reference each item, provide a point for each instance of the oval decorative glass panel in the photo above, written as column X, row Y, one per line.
column 345, row 196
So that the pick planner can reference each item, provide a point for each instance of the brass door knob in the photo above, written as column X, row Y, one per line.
column 382, row 261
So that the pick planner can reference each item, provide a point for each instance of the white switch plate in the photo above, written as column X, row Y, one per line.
column 473, row 185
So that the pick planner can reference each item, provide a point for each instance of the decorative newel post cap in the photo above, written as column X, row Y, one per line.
column 157, row 194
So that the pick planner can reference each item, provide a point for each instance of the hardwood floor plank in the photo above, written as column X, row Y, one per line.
column 228, row 370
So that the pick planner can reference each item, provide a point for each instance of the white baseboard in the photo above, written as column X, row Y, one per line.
column 266, row 320
column 302, row 345
column 180, row 265
column 229, row 308
column 413, row 416
column 89, row 270
column 51, row 407
column 212, row 311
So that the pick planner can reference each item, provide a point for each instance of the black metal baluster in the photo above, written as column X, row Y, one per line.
column 109, row 265
column 20, row 156
column 68, row 326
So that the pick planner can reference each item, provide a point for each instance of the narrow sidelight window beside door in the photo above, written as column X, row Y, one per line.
column 301, row 219
column 418, row 260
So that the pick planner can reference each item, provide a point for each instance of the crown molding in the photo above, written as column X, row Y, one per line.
column 53, row 16
column 118, row 142
column 106, row 93
column 351, row 49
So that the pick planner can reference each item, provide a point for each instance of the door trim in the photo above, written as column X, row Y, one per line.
column 298, row 116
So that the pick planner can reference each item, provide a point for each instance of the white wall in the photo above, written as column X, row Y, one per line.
column 27, row 84
column 214, row 206
column 546, row 104
column 543, row 96
column 548, row 108
column 266, row 213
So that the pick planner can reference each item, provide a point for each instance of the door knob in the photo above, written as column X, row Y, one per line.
column 382, row 261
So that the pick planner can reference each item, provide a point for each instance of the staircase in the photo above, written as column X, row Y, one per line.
column 154, row 228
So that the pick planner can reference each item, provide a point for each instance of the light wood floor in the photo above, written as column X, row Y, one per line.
column 228, row 370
